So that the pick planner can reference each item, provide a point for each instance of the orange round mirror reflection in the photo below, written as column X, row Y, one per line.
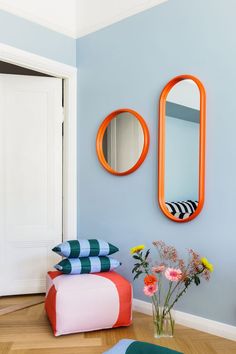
column 122, row 142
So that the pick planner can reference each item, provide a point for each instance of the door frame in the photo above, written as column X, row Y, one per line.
column 50, row 67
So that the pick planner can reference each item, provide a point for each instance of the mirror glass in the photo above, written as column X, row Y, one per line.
column 123, row 142
column 182, row 123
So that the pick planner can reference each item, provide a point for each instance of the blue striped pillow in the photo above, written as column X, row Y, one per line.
column 87, row 265
column 129, row 346
column 85, row 248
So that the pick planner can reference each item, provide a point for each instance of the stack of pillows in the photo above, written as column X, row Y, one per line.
column 86, row 256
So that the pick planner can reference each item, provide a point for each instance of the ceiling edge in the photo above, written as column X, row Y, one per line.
column 40, row 21
column 78, row 33
column 125, row 14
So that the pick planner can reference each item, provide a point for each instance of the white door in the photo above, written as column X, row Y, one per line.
column 124, row 142
column 30, row 180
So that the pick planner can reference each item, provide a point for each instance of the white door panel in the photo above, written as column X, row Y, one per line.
column 30, row 180
column 124, row 142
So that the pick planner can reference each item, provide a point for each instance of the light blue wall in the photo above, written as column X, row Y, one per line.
column 26, row 35
column 127, row 65
column 182, row 160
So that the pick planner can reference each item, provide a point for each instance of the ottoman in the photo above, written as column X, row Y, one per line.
column 87, row 302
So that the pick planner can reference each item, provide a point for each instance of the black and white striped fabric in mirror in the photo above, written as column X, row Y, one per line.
column 182, row 210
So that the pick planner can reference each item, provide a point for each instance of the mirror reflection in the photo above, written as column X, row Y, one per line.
column 182, row 149
column 123, row 142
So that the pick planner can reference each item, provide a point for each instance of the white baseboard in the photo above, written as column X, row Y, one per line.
column 199, row 323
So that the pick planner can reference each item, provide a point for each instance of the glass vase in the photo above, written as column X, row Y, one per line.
column 163, row 322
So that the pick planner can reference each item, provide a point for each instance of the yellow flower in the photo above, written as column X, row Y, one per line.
column 207, row 264
column 136, row 249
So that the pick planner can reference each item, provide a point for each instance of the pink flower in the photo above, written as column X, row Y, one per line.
column 158, row 269
column 150, row 290
column 173, row 274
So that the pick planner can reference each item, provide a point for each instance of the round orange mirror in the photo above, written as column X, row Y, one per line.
column 122, row 142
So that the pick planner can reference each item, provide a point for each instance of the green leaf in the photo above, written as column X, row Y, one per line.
column 135, row 268
column 197, row 280
column 187, row 282
column 137, row 275
column 135, row 256
column 147, row 254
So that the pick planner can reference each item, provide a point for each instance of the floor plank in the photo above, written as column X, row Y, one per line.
column 27, row 331
column 16, row 307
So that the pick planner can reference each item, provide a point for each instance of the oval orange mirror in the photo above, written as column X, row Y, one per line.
column 181, row 148
column 122, row 142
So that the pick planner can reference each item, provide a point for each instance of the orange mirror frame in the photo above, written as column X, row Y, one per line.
column 161, row 147
column 100, row 135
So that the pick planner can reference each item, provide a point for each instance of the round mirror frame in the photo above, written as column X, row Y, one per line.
column 161, row 147
column 100, row 135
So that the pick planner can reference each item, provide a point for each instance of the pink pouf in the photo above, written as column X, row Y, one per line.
column 87, row 302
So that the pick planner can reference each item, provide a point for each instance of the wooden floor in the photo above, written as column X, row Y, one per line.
column 28, row 331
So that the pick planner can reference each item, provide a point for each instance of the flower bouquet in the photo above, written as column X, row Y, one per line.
column 167, row 279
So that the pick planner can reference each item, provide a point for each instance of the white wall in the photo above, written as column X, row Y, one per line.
column 186, row 93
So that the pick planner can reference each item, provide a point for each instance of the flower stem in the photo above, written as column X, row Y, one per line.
column 167, row 299
column 184, row 290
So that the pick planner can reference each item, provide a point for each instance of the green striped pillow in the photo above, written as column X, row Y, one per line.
column 85, row 248
column 87, row 265
column 129, row 346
